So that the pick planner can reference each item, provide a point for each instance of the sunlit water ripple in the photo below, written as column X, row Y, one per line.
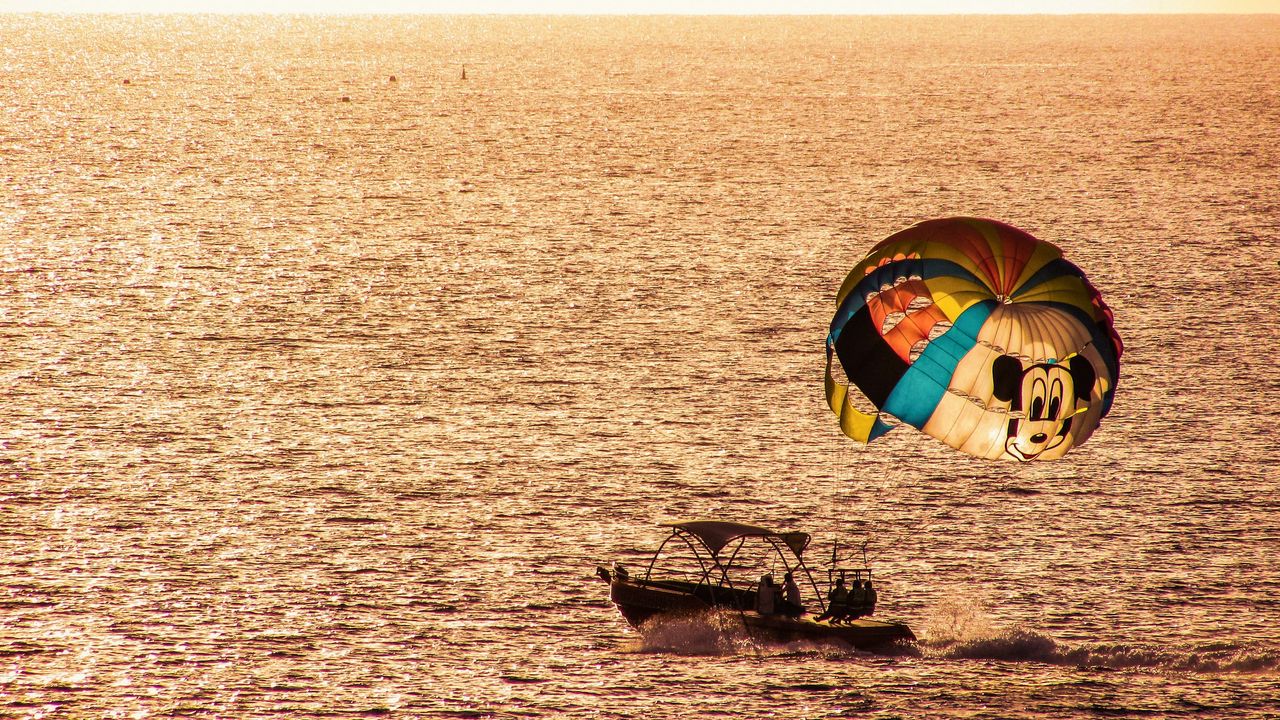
column 327, row 391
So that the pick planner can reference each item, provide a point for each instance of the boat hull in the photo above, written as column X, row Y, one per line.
column 639, row 602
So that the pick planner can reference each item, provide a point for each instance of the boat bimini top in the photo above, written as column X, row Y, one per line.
column 715, row 534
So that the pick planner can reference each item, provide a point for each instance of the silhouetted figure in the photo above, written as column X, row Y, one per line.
column 791, row 604
column 853, row 606
column 836, row 600
column 767, row 596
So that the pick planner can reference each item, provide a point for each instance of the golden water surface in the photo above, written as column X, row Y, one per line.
column 330, row 375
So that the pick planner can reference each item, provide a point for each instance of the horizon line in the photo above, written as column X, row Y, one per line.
column 597, row 13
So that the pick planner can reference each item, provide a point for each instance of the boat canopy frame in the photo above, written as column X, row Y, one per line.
column 709, row 538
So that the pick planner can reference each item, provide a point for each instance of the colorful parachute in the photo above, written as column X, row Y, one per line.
column 978, row 334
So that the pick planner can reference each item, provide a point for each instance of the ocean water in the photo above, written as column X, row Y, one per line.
column 325, row 392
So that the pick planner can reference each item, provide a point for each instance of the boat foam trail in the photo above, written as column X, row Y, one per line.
column 1024, row 645
column 962, row 629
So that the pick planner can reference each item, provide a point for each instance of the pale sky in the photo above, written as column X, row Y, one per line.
column 663, row 7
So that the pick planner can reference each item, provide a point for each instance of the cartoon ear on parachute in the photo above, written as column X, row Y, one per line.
column 1006, row 376
column 1082, row 375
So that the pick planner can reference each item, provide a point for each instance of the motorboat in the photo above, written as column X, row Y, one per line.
column 710, row 566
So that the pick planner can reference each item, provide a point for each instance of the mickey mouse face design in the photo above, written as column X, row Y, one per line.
column 1043, row 401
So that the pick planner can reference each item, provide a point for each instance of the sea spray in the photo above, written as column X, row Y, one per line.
column 961, row 627
column 956, row 619
column 707, row 633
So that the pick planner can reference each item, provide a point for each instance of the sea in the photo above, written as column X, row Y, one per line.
column 339, row 351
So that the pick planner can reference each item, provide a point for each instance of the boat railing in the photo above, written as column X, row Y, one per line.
column 848, row 574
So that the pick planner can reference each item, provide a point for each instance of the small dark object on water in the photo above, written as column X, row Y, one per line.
column 346, row 98
column 126, row 81
column 391, row 79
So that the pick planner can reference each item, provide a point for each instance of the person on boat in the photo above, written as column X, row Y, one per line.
column 767, row 596
column 855, row 607
column 870, row 602
column 848, row 609
column 791, row 605
column 836, row 600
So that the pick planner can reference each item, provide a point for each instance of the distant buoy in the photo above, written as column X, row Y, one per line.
column 126, row 81
column 346, row 98
column 391, row 79
column 464, row 72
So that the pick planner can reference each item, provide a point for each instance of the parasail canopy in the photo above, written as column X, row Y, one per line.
column 977, row 334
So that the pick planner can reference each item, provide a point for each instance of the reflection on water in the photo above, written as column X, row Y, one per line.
column 319, row 406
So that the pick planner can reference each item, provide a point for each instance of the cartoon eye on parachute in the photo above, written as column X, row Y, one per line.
column 979, row 335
